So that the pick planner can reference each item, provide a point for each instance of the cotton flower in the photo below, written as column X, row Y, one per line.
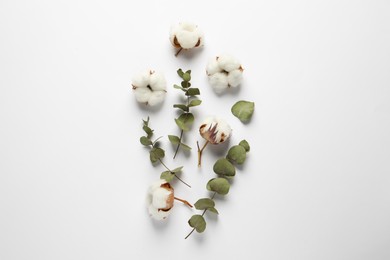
column 224, row 72
column 186, row 36
column 160, row 199
column 149, row 87
column 214, row 130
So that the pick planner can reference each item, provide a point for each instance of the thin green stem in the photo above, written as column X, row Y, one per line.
column 178, row 145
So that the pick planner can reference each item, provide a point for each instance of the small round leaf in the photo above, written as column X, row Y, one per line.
column 145, row 141
column 237, row 154
column 224, row 168
column 167, row 175
column 219, row 185
column 204, row 203
column 243, row 110
column 245, row 144
column 197, row 222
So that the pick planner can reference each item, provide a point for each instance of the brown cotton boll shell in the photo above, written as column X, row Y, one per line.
column 170, row 198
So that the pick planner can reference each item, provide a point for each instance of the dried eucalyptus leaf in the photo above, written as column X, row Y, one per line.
column 237, row 154
column 174, row 139
column 184, row 121
column 219, row 185
column 245, row 144
column 195, row 102
column 156, row 154
column 197, row 222
column 243, row 110
column 224, row 168
column 145, row 141
column 167, row 175
column 204, row 203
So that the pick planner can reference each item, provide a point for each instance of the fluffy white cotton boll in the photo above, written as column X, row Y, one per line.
column 219, row 82
column 235, row 78
column 224, row 72
column 159, row 199
column 149, row 87
column 215, row 130
column 186, row 36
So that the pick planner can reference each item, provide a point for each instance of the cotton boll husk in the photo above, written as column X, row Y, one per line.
column 142, row 95
column 160, row 197
column 228, row 63
column 213, row 67
column 156, row 97
column 157, row 81
column 219, row 82
column 235, row 78
column 141, row 80
column 187, row 39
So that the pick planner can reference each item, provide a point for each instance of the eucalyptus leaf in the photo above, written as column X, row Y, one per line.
column 223, row 167
column 195, row 102
column 243, row 110
column 177, row 170
column 178, row 87
column 180, row 73
column 197, row 222
column 204, row 203
column 156, row 154
column 192, row 92
column 181, row 106
column 185, row 85
column 219, row 185
column 167, row 175
column 145, row 141
column 237, row 154
column 246, row 145
column 148, row 131
column 186, row 76
column 214, row 210
column 185, row 147
column 184, row 121
column 174, row 139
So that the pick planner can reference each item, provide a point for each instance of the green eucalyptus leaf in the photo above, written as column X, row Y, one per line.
column 245, row 144
column 198, row 222
column 184, row 121
column 204, row 203
column 145, row 141
column 223, row 167
column 181, row 106
column 178, row 169
column 188, row 71
column 174, row 139
column 192, row 92
column 185, row 85
column 167, row 175
column 237, row 154
column 185, row 147
column 178, row 87
column 180, row 72
column 186, row 77
column 148, row 131
column 195, row 102
column 146, row 122
column 214, row 210
column 243, row 110
column 156, row 154
column 219, row 185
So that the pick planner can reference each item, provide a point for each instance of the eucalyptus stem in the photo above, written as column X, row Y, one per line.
column 204, row 211
column 166, row 167
column 182, row 131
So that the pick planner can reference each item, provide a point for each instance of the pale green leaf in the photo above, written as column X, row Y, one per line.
column 198, row 222
column 156, row 154
column 237, row 154
column 185, row 147
column 180, row 73
column 219, row 185
column 174, row 139
column 184, row 121
column 245, row 144
column 243, row 110
column 186, row 76
column 177, row 170
column 145, row 141
column 192, row 92
column 214, row 210
column 195, row 102
column 223, row 167
column 204, row 203
column 167, row 175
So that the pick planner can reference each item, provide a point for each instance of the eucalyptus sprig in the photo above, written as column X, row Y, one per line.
column 225, row 169
column 156, row 153
column 186, row 118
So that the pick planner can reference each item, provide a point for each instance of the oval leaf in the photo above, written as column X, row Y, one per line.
column 224, row 168
column 174, row 139
column 184, row 121
column 243, row 110
column 204, row 203
column 167, row 175
column 245, row 144
column 145, row 141
column 219, row 185
column 186, row 76
column 214, row 210
column 156, row 154
column 197, row 222
column 195, row 102
column 237, row 154
column 181, row 106
column 192, row 92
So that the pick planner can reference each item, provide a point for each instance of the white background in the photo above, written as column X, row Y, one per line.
column 73, row 175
